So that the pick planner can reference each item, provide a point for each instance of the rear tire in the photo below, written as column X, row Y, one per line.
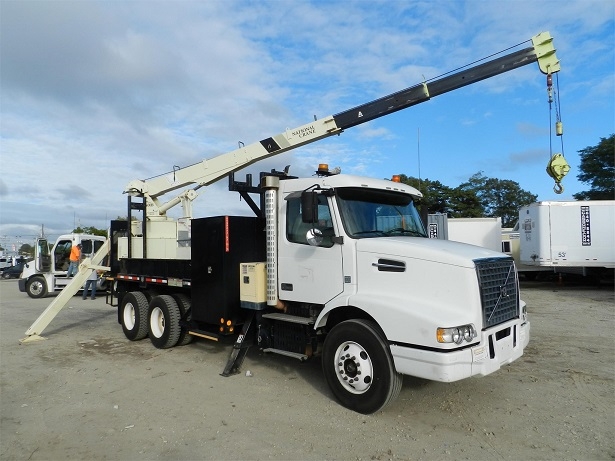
column 163, row 325
column 36, row 287
column 133, row 315
column 184, row 304
column 358, row 366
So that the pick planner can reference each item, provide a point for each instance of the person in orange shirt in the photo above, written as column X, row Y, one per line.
column 75, row 257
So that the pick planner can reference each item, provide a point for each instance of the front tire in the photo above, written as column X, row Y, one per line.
column 36, row 287
column 164, row 315
column 133, row 315
column 358, row 366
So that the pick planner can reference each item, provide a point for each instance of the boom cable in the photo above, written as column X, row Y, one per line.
column 557, row 167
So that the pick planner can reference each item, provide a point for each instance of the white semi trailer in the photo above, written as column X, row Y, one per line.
column 335, row 266
column 482, row 232
column 568, row 236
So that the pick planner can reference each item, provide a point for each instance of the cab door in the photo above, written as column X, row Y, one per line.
column 42, row 257
column 308, row 273
column 61, row 255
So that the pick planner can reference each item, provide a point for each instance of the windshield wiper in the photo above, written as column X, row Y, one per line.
column 401, row 230
column 373, row 231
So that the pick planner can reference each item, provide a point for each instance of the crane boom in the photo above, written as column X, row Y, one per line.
column 212, row 170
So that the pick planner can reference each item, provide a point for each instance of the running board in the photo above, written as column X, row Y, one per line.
column 289, row 318
column 294, row 355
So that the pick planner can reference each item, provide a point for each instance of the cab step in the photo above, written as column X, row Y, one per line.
column 289, row 318
column 294, row 355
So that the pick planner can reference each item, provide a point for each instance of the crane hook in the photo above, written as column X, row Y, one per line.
column 557, row 168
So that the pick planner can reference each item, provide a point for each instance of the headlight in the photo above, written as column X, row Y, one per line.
column 456, row 334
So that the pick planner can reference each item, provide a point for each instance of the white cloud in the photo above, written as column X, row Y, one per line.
column 95, row 94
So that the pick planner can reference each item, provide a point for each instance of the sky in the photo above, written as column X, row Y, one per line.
column 95, row 94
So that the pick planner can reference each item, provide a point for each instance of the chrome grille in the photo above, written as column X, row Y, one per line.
column 497, row 278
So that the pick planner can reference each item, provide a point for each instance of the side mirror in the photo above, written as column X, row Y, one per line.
column 309, row 207
column 314, row 237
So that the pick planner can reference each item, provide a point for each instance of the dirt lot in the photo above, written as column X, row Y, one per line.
column 88, row 393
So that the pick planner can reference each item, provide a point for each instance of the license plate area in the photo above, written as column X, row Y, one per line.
column 502, row 343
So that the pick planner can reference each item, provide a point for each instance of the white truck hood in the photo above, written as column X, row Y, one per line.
column 433, row 250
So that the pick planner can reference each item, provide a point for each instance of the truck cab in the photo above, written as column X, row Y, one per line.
column 46, row 273
column 372, row 257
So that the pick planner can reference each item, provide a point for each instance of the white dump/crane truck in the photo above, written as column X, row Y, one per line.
column 334, row 265
column 568, row 236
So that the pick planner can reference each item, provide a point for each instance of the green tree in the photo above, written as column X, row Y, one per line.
column 499, row 197
column 598, row 169
column 435, row 194
column 438, row 198
column 465, row 204
column 90, row 230
column 26, row 249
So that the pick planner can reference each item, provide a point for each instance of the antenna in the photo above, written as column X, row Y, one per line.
column 418, row 148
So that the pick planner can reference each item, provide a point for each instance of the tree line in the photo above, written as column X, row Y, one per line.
column 481, row 196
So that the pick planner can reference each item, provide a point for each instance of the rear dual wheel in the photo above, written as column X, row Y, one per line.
column 184, row 304
column 133, row 315
column 163, row 326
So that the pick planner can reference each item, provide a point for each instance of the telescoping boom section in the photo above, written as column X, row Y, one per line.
column 211, row 170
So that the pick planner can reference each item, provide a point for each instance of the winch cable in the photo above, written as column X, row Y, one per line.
column 557, row 167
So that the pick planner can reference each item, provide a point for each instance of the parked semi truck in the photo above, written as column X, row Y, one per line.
column 47, row 272
column 568, row 236
column 333, row 265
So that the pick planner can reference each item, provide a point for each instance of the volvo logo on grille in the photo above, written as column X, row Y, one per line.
column 504, row 292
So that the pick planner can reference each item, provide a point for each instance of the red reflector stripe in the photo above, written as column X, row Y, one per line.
column 226, row 235
column 149, row 279
column 153, row 280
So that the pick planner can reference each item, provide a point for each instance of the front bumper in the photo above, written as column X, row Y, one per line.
column 498, row 346
column 21, row 283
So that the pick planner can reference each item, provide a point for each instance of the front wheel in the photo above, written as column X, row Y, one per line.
column 36, row 287
column 359, row 368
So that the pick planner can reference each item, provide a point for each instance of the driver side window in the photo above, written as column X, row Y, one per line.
column 296, row 229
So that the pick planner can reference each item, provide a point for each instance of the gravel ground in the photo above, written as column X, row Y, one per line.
column 88, row 393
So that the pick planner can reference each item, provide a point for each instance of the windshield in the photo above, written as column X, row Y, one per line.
column 377, row 213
